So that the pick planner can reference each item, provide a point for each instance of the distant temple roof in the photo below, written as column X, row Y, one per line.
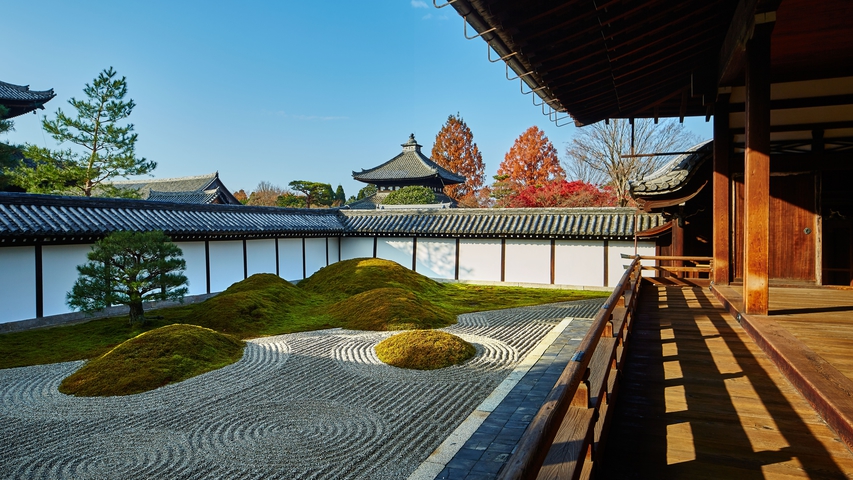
column 409, row 168
column 19, row 99
column 674, row 174
column 374, row 202
column 200, row 189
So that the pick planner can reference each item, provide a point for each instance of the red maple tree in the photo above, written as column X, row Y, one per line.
column 560, row 193
column 531, row 161
column 455, row 150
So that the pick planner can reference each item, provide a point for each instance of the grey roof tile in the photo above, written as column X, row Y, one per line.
column 674, row 174
column 409, row 165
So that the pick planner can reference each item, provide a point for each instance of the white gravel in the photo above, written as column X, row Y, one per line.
column 307, row 405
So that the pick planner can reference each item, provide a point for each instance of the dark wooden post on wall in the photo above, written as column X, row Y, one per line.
column 721, row 184
column 756, row 276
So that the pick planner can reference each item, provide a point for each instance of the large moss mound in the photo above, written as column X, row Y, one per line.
column 424, row 350
column 152, row 359
column 389, row 308
column 247, row 307
column 351, row 277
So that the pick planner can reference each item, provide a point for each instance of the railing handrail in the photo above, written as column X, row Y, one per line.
column 687, row 258
column 537, row 439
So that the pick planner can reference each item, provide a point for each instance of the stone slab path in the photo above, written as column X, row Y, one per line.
column 307, row 405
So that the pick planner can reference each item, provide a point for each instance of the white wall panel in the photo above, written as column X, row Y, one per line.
column 334, row 250
column 480, row 259
column 617, row 264
column 226, row 264
column 579, row 262
column 528, row 261
column 260, row 256
column 59, row 267
column 315, row 255
column 17, row 283
column 196, row 271
column 356, row 247
column 290, row 258
column 397, row 249
column 436, row 257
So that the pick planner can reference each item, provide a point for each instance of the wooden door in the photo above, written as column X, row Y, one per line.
column 793, row 225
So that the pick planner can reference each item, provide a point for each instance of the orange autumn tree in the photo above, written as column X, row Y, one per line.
column 531, row 161
column 455, row 150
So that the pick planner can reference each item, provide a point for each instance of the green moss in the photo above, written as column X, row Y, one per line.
column 389, row 308
column 153, row 359
column 350, row 277
column 424, row 350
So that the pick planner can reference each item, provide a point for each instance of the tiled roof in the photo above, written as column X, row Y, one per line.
column 409, row 165
column 179, row 184
column 675, row 174
column 510, row 222
column 29, row 215
column 19, row 99
column 196, row 197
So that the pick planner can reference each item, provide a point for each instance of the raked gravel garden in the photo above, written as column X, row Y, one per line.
column 305, row 405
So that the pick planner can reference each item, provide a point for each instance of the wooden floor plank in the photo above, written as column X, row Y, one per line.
column 699, row 399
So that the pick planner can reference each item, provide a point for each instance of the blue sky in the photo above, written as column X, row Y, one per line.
column 275, row 91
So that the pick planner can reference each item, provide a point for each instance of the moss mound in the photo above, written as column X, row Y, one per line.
column 424, row 350
column 389, row 308
column 351, row 277
column 152, row 359
column 247, row 307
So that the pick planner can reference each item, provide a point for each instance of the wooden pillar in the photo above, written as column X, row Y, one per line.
column 756, row 286
column 677, row 244
column 721, row 194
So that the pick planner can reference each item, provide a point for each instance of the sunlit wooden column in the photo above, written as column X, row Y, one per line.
column 757, row 174
column 721, row 184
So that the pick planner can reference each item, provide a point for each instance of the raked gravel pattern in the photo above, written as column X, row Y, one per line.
column 306, row 405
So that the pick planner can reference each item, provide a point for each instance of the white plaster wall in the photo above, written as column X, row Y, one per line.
column 528, row 261
column 315, row 255
column 17, row 283
column 196, row 271
column 579, row 262
column 260, row 256
column 334, row 250
column 226, row 264
column 59, row 270
column 480, row 259
column 397, row 249
column 436, row 257
column 356, row 247
column 617, row 264
column 290, row 258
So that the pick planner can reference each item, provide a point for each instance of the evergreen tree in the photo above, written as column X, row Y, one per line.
column 129, row 268
column 105, row 149
column 411, row 195
column 455, row 150
column 340, row 196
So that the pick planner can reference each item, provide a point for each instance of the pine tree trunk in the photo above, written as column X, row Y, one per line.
column 136, row 312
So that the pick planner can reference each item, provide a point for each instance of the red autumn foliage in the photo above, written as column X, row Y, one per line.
column 455, row 150
column 532, row 160
column 560, row 193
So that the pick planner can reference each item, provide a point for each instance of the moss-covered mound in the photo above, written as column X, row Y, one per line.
column 247, row 307
column 389, row 308
column 351, row 277
column 424, row 350
column 152, row 359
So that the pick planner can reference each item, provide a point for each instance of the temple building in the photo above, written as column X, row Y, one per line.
column 411, row 167
column 199, row 189
column 19, row 99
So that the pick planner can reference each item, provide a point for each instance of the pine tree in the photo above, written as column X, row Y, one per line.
column 531, row 161
column 129, row 268
column 104, row 148
column 455, row 150
column 340, row 196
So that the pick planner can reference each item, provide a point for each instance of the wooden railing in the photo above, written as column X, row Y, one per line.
column 564, row 438
column 700, row 265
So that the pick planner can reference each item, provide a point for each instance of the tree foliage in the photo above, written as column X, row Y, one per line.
column 560, row 193
column 266, row 194
column 365, row 192
column 455, row 150
column 340, row 196
column 129, row 268
column 290, row 200
column 532, row 160
column 8, row 153
column 316, row 193
column 411, row 195
column 595, row 153
column 103, row 148
column 241, row 196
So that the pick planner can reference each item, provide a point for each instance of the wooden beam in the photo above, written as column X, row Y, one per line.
column 744, row 20
column 757, row 174
column 721, row 182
